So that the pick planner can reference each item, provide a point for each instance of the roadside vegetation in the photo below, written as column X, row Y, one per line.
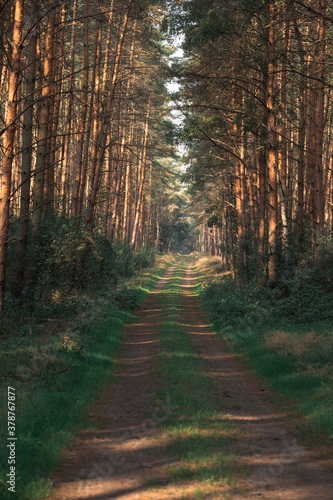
column 285, row 332
column 58, row 360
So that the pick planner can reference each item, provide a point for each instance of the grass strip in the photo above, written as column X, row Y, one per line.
column 200, row 435
column 55, row 380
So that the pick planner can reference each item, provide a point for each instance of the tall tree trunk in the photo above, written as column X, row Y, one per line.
column 271, row 136
column 68, row 115
column 282, row 175
column 150, row 207
column 262, row 177
column 50, row 51
column 129, row 118
column 158, row 229
column 128, row 189
column 27, row 138
column 96, row 108
column 43, row 127
column 142, row 179
column 316, row 129
column 8, row 143
column 230, row 237
column 319, row 105
column 108, row 183
column 239, row 191
column 301, row 141
column 105, row 120
column 84, row 109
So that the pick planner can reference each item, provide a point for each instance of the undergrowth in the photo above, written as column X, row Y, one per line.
column 58, row 366
column 63, row 261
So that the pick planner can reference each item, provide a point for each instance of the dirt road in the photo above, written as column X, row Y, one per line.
column 120, row 459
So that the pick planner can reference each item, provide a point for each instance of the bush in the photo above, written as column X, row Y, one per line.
column 309, row 288
column 126, row 299
column 303, row 295
column 62, row 260
column 232, row 303
column 145, row 258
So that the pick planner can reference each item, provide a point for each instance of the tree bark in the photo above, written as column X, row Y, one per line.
column 27, row 139
column 43, row 127
column 8, row 143
column 142, row 179
column 68, row 115
column 301, row 142
column 319, row 105
column 100, row 157
column 271, row 136
column 83, row 117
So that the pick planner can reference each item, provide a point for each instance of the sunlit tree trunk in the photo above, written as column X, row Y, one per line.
column 27, row 139
column 128, row 189
column 157, row 240
column 68, row 115
column 43, row 126
column 129, row 119
column 150, row 207
column 83, row 116
column 8, row 143
column 239, row 192
column 142, row 179
column 262, row 177
column 271, row 136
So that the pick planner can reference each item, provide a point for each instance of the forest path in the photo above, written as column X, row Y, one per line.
column 128, row 451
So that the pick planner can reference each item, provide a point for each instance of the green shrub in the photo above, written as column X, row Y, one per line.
column 145, row 258
column 308, row 289
column 126, row 298
column 62, row 260
column 231, row 303
column 304, row 294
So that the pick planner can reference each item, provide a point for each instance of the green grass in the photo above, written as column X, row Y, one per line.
column 200, row 435
column 294, row 357
column 57, row 374
column 308, row 385
column 50, row 405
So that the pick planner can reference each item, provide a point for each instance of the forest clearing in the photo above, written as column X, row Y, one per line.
column 166, row 249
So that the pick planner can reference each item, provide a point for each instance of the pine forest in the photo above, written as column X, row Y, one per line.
column 166, row 249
